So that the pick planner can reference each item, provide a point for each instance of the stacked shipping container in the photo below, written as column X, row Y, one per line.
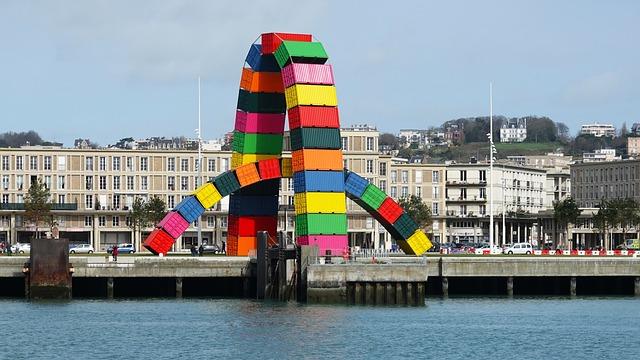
column 317, row 165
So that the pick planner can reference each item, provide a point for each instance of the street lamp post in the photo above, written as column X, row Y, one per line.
column 199, row 178
column 492, row 151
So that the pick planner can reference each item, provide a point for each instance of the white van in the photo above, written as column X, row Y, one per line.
column 519, row 248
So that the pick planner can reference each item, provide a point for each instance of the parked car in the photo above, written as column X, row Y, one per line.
column 81, row 249
column 211, row 249
column 519, row 248
column 20, row 248
column 123, row 249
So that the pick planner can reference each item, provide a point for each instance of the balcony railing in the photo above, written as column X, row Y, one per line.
column 57, row 207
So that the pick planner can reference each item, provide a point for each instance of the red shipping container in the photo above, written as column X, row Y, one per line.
column 269, row 169
column 271, row 41
column 250, row 225
column 314, row 116
column 390, row 210
column 158, row 242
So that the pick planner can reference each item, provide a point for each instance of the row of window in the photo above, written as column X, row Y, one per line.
column 115, row 163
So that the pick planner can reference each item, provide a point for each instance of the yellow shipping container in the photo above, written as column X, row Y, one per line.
column 418, row 243
column 239, row 159
column 302, row 94
column 287, row 169
column 208, row 195
column 320, row 202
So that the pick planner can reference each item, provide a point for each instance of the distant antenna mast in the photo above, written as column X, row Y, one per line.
column 199, row 179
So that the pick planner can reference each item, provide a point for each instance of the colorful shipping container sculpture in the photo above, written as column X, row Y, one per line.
column 287, row 74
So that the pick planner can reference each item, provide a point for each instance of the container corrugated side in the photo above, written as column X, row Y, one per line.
column 321, row 224
column 355, row 184
column 261, row 102
column 405, row 226
column 314, row 180
column 302, row 52
column 315, row 138
column 271, row 41
column 249, row 143
column 238, row 159
column 320, row 203
column 337, row 244
column 247, row 174
column 307, row 74
column 190, row 208
column 373, row 196
column 226, row 183
column 259, row 62
column 315, row 159
column 314, row 116
column 259, row 123
column 315, row 95
column 253, row 205
column 261, row 81
column 208, row 195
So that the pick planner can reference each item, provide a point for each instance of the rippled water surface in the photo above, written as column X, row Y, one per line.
column 462, row 328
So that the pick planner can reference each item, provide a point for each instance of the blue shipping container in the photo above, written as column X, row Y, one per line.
column 259, row 62
column 318, row 181
column 253, row 205
column 355, row 184
column 190, row 208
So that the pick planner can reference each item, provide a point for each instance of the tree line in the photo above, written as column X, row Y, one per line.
column 38, row 205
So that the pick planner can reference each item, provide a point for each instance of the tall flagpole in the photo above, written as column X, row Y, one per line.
column 199, row 179
column 491, row 167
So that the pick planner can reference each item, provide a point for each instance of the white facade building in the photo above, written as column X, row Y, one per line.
column 600, row 155
column 514, row 130
column 598, row 130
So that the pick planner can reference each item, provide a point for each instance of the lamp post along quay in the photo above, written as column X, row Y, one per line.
column 492, row 152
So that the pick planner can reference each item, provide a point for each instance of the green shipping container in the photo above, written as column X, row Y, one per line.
column 272, row 103
column 300, row 51
column 321, row 224
column 373, row 196
column 249, row 143
column 226, row 183
column 315, row 138
column 405, row 226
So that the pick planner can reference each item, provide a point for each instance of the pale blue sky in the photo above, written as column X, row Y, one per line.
column 110, row 69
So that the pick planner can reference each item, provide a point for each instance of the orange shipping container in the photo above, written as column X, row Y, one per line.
column 315, row 159
column 241, row 245
column 266, row 82
column 247, row 174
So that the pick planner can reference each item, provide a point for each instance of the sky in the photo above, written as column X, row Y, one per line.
column 106, row 70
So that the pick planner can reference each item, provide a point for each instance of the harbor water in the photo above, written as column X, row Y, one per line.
column 454, row 328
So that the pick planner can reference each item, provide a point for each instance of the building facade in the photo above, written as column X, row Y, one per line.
column 94, row 190
column 513, row 130
column 598, row 130
column 633, row 145
column 518, row 192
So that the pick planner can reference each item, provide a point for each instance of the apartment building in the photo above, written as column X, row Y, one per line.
column 598, row 130
column 518, row 192
column 594, row 181
column 633, row 145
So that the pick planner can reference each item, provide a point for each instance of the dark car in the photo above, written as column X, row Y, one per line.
column 123, row 249
column 211, row 249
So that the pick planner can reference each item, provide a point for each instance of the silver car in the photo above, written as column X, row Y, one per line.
column 519, row 248
column 81, row 249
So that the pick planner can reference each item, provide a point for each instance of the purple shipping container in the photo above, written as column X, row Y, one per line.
column 258, row 123
column 307, row 74
column 174, row 224
column 336, row 243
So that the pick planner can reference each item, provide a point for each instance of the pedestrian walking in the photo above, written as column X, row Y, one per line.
column 114, row 252
column 200, row 250
column 193, row 250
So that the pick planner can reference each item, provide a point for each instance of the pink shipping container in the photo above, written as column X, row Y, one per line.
column 174, row 224
column 338, row 244
column 307, row 74
column 259, row 123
